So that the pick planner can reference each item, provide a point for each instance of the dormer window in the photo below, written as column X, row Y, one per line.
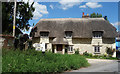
column 68, row 34
column 44, row 34
column 97, row 34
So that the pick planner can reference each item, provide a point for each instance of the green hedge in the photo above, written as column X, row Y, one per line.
column 89, row 55
column 34, row 61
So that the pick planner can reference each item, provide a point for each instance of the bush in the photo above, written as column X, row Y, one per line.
column 110, row 51
column 77, row 51
column 85, row 53
column 35, row 61
column 96, row 56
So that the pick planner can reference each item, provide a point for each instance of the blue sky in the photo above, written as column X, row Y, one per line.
column 74, row 10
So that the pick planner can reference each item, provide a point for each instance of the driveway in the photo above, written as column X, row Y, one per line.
column 100, row 65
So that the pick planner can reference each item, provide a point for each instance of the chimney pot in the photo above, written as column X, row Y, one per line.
column 83, row 13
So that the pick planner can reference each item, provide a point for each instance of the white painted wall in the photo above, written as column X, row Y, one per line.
column 83, row 44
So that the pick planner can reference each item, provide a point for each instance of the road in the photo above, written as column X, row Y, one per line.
column 100, row 65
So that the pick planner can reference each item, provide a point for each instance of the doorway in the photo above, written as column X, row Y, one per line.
column 59, row 47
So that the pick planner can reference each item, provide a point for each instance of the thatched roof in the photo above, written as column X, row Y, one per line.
column 118, row 34
column 59, row 41
column 80, row 27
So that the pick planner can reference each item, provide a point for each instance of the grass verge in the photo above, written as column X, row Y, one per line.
column 34, row 61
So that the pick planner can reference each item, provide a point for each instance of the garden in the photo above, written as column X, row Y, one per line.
column 34, row 61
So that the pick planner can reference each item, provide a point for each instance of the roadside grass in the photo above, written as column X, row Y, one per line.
column 35, row 61
column 101, row 57
column 90, row 56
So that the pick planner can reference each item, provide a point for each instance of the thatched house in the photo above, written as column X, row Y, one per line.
column 65, row 35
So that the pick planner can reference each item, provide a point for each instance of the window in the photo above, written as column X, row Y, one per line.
column 44, row 34
column 70, row 48
column 68, row 34
column 97, row 48
column 97, row 34
column 45, row 45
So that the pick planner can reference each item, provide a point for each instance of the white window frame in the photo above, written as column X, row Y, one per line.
column 70, row 49
column 97, row 49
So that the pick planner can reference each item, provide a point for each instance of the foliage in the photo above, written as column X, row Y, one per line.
column 35, row 61
column 24, row 12
column 77, row 51
column 89, row 55
column 85, row 53
column 94, row 15
column 110, row 51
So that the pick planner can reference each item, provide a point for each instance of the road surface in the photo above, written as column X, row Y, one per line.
column 100, row 65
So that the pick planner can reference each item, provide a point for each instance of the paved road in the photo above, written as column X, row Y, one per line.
column 100, row 65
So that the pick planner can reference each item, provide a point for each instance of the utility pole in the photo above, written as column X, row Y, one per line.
column 14, row 18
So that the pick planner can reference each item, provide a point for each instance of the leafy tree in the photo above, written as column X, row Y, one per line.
column 24, row 12
column 94, row 15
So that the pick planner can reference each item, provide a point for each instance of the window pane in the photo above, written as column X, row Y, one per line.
column 68, row 34
column 44, row 34
column 97, row 48
column 97, row 34
column 70, row 48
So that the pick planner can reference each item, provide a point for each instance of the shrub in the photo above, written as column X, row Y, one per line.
column 77, row 51
column 96, row 56
column 110, row 51
column 85, row 53
column 90, row 54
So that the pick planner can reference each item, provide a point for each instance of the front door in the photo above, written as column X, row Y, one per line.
column 59, row 47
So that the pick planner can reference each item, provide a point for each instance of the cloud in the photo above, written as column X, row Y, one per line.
column 40, row 9
column 65, row 4
column 93, row 5
column 83, row 6
column 116, row 24
column 51, row 6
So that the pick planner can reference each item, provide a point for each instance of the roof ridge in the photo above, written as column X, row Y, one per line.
column 71, row 19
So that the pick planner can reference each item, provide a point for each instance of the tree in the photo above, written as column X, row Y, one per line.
column 94, row 15
column 24, row 12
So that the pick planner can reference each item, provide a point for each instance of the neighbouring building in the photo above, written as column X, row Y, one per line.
column 118, row 41
column 6, row 41
column 66, row 35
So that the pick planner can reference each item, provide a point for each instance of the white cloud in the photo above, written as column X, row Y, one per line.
column 83, row 6
column 65, row 4
column 116, row 24
column 51, row 6
column 93, row 5
column 40, row 9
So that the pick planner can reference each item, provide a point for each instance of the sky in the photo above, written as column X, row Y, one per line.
column 65, row 9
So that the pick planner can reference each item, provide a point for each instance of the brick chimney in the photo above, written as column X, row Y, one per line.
column 85, row 16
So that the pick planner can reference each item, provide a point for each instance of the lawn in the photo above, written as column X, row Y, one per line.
column 35, row 61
